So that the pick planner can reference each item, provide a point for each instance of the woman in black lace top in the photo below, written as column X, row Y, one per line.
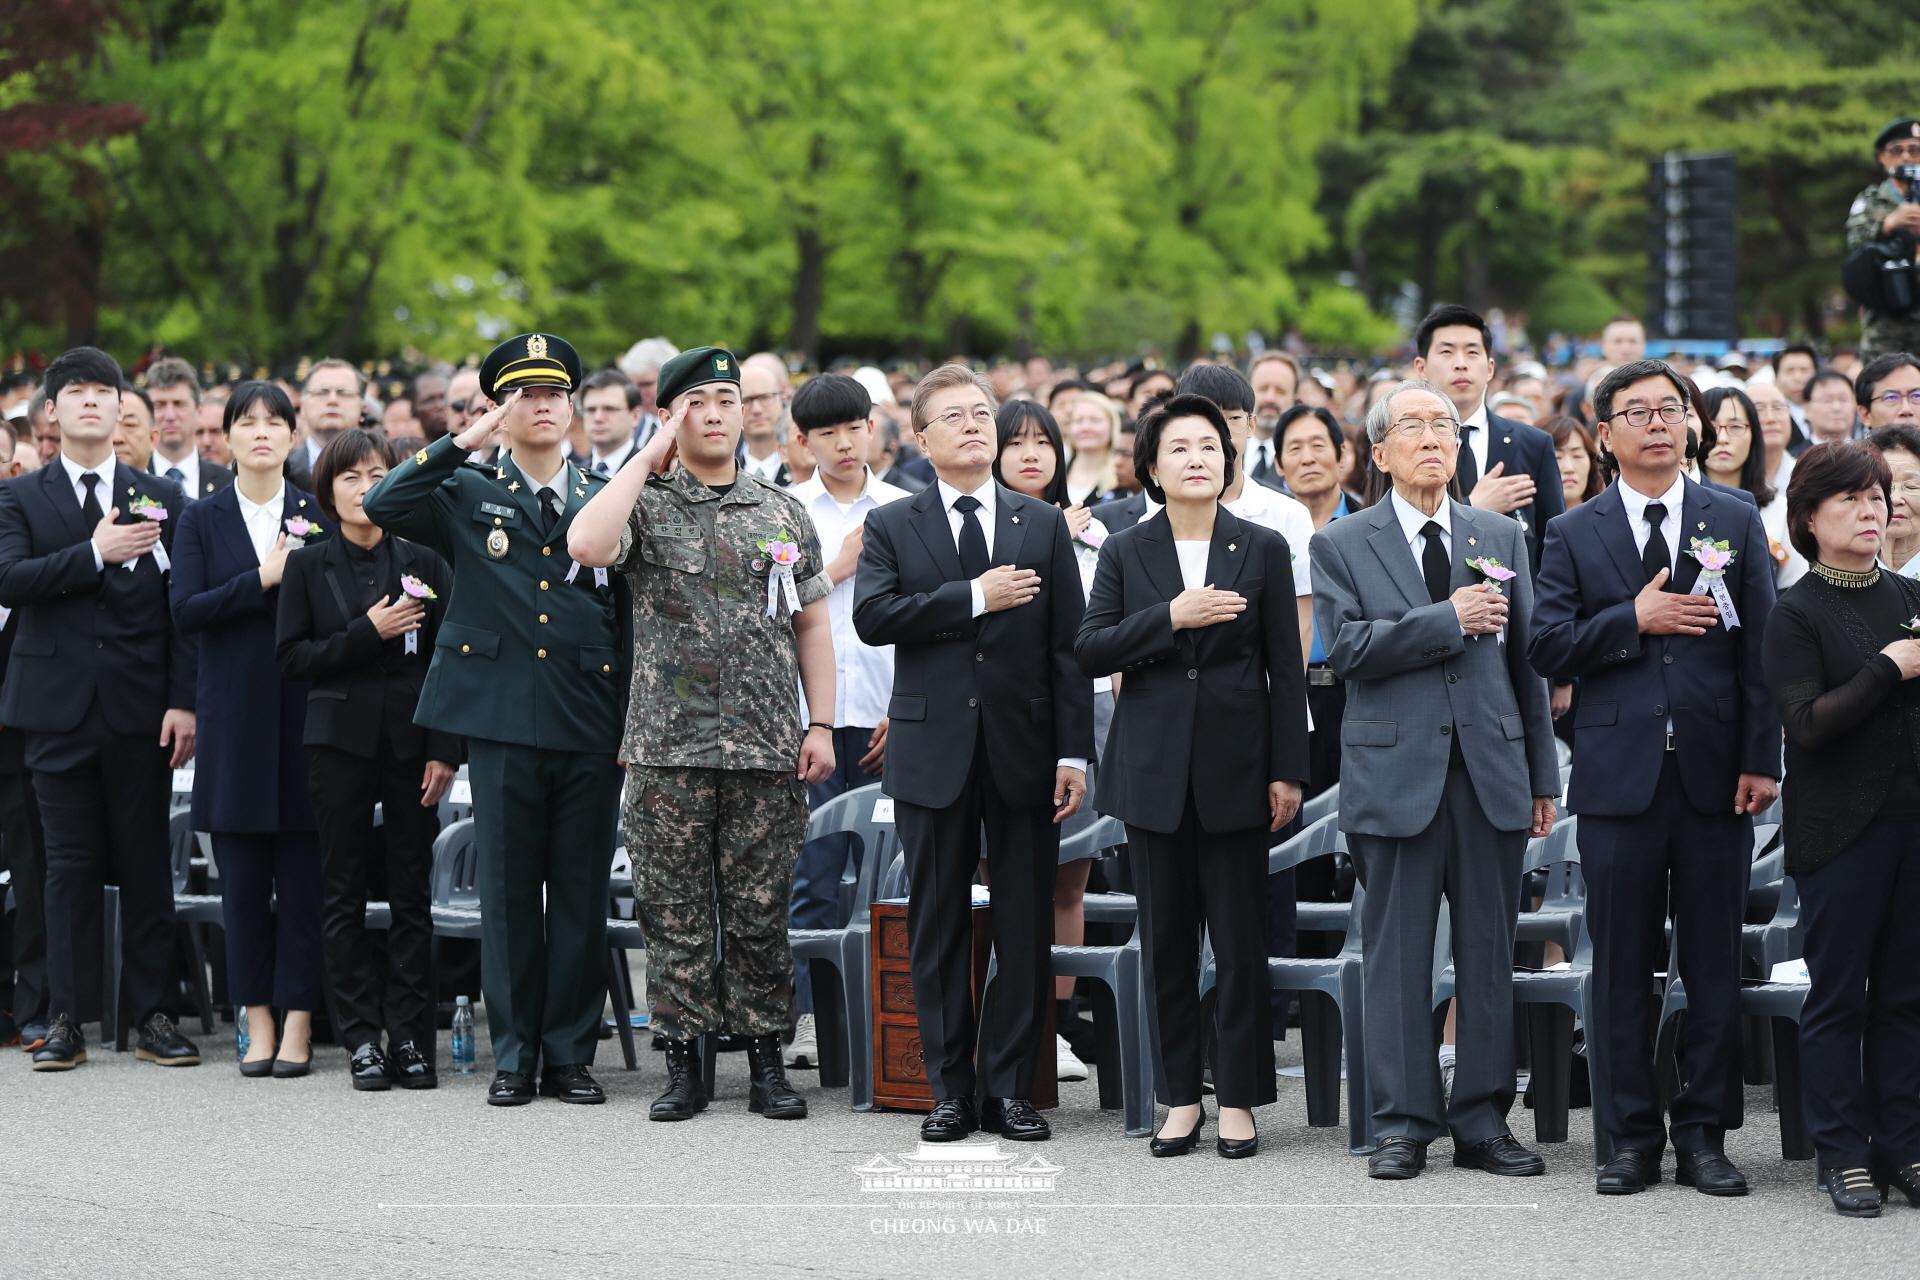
column 1841, row 662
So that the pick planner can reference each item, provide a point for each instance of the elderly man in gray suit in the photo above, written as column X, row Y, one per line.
column 1425, row 604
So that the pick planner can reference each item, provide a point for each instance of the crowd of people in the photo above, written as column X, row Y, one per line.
column 676, row 603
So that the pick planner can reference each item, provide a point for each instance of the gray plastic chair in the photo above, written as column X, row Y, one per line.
column 191, row 911
column 836, row 959
column 454, row 890
column 1317, row 807
column 1564, row 904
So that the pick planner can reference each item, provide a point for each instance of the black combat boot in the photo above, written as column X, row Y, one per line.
column 684, row 1097
column 770, row 1093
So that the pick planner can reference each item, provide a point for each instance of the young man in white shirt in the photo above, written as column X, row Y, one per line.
column 835, row 416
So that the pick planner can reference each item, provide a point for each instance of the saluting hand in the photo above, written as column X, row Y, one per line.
column 658, row 455
column 483, row 427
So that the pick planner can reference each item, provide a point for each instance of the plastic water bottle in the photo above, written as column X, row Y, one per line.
column 241, row 1039
column 463, row 1035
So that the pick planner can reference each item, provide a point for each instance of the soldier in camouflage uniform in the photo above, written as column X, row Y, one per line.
column 1880, row 213
column 728, row 613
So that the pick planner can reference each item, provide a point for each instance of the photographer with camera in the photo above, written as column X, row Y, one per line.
column 1883, row 227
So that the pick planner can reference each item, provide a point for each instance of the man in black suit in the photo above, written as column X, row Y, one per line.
column 610, row 408
column 990, row 722
column 1679, row 746
column 329, row 404
column 174, row 392
column 104, row 687
column 1505, row 466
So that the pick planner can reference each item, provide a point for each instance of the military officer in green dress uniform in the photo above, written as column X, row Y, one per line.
column 728, row 609
column 530, row 667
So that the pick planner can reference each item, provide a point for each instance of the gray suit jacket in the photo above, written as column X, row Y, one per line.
column 1414, row 682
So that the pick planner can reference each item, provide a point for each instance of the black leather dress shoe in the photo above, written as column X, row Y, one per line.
column 1906, row 1177
column 571, row 1084
column 1710, row 1173
column 1179, row 1146
column 1014, row 1119
column 411, row 1068
column 1501, row 1155
column 368, row 1070
column 1627, row 1173
column 950, row 1121
column 64, row 1048
column 510, row 1089
column 162, row 1044
column 1853, row 1192
column 1397, row 1159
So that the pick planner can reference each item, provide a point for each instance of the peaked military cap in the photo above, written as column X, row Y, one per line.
column 695, row 368
column 530, row 360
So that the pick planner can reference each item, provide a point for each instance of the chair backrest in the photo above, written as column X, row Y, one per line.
column 893, row 881
column 1093, row 840
column 1314, row 841
column 181, row 846
column 1767, row 870
column 456, row 866
column 854, row 813
column 1318, row 807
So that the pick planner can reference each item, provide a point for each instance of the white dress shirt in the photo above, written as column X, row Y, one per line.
column 610, row 464
column 102, row 493
column 189, row 468
column 1636, row 504
column 985, row 495
column 1473, row 433
column 263, row 520
column 1285, row 515
column 766, row 468
column 1193, row 560
column 1259, row 451
column 862, row 673
column 1413, row 521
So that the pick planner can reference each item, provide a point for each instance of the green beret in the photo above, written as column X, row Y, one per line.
column 1907, row 128
column 695, row 368
column 530, row 360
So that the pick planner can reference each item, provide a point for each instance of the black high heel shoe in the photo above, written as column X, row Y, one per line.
column 1853, row 1192
column 1904, row 1176
column 256, row 1070
column 1237, row 1148
column 1181, row 1145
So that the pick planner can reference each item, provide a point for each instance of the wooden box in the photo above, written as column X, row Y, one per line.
column 899, row 1072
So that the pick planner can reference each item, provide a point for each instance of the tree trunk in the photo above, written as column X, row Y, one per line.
column 809, row 291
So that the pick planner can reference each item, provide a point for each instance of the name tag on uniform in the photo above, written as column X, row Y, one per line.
column 495, row 509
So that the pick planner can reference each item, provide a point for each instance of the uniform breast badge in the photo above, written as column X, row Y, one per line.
column 497, row 544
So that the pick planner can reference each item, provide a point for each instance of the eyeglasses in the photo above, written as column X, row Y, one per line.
column 1904, row 150
column 1733, row 428
column 1412, row 428
column 952, row 418
column 762, row 398
column 1892, row 399
column 1773, row 409
column 1639, row 416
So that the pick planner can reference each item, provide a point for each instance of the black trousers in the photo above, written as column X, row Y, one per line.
column 371, row 993
column 1860, row 1031
column 943, row 849
column 103, row 808
column 1636, row 868
column 23, row 852
column 270, row 903
column 1185, row 881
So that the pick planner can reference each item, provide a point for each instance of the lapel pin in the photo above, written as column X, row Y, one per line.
column 582, row 492
column 129, row 491
column 1016, row 519
column 1702, row 526
column 1233, row 546
column 1473, row 542
column 514, row 487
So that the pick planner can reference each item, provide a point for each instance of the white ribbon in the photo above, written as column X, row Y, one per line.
column 599, row 575
column 779, row 584
column 159, row 559
column 1714, row 582
column 413, row 642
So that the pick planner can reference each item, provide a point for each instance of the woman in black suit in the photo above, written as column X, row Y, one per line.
column 1841, row 664
column 1206, row 757
column 358, row 617
column 249, row 787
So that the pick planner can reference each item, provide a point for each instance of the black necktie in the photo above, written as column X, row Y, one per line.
column 973, row 539
column 1434, row 564
column 90, row 505
column 600, row 466
column 1655, row 556
column 549, row 508
column 178, row 476
column 1467, row 467
column 1261, row 469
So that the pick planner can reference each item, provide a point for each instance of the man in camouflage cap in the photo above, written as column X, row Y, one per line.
column 1886, row 214
column 728, row 609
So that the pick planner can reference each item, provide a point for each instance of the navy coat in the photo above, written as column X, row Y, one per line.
column 250, row 769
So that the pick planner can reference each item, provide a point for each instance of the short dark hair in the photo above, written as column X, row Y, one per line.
column 1825, row 375
column 1896, row 435
column 348, row 449
column 1013, row 418
column 1796, row 349
column 1624, row 376
column 611, row 378
column 1877, row 370
column 828, row 400
column 1146, row 443
column 1565, row 428
column 1223, row 384
column 1444, row 316
column 140, row 394
column 1320, row 415
column 1822, row 472
column 82, row 364
column 258, row 390
column 1753, row 472
column 1134, row 384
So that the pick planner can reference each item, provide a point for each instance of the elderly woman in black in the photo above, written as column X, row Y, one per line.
column 1206, row 757
column 1841, row 658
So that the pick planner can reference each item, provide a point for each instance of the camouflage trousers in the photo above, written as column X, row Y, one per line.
column 1885, row 335
column 715, row 848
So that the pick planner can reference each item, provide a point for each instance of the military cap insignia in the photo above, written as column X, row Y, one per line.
column 536, row 347
column 719, row 364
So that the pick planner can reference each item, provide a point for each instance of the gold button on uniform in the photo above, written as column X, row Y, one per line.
column 496, row 522
column 466, row 648
column 543, row 585
column 539, row 653
column 605, row 668
column 543, row 617
column 546, row 551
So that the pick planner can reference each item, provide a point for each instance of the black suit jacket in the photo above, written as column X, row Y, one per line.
column 299, row 466
column 1524, row 449
column 327, row 640
column 1220, row 711
column 1009, row 675
column 1122, row 513
column 86, row 632
column 213, row 476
